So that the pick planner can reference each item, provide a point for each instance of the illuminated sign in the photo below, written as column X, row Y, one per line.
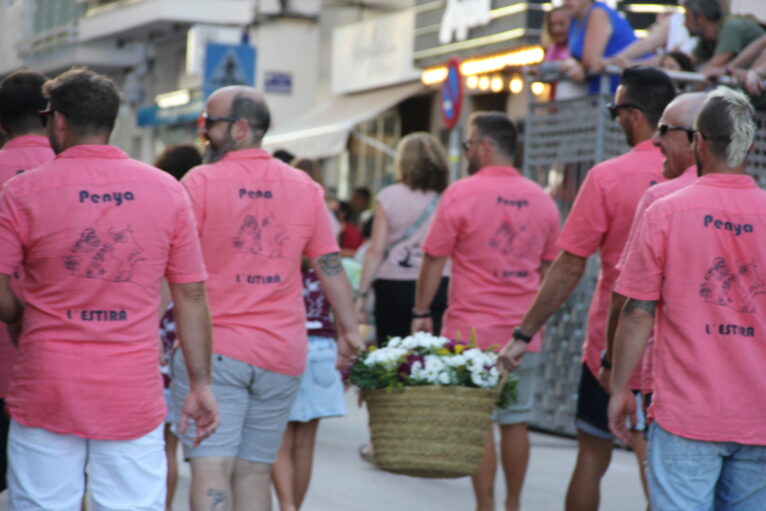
column 461, row 16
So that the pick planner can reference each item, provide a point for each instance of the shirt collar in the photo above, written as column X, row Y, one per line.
column 497, row 170
column 93, row 151
column 728, row 180
column 644, row 146
column 246, row 154
column 28, row 141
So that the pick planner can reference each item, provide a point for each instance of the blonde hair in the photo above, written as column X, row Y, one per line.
column 727, row 122
column 421, row 162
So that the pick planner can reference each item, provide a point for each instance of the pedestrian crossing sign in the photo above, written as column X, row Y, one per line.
column 228, row 64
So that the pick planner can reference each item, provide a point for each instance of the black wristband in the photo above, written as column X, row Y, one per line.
column 420, row 315
column 521, row 336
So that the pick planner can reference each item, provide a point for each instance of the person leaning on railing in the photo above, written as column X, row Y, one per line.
column 596, row 31
column 749, row 67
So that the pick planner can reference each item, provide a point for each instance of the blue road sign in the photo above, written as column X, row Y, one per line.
column 452, row 94
column 227, row 64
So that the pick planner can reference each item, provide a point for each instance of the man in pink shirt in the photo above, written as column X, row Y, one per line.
column 256, row 217
column 700, row 255
column 21, row 97
column 599, row 222
column 674, row 138
column 94, row 233
column 499, row 229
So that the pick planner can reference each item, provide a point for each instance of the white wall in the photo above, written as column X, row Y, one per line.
column 11, row 23
column 288, row 46
column 755, row 7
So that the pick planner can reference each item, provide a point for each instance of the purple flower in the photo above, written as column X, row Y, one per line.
column 406, row 367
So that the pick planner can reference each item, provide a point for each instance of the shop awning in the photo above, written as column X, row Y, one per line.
column 323, row 131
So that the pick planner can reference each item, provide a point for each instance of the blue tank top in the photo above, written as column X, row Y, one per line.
column 622, row 36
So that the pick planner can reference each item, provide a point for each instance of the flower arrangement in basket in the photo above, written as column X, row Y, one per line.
column 430, row 401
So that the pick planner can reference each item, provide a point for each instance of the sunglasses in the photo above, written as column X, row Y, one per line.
column 466, row 144
column 45, row 114
column 662, row 129
column 209, row 120
column 615, row 109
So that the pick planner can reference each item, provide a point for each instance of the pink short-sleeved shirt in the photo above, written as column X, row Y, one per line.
column 94, row 232
column 256, row 217
column 403, row 206
column 600, row 221
column 649, row 197
column 497, row 227
column 702, row 254
column 18, row 155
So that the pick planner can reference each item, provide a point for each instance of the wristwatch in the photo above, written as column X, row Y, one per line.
column 521, row 336
column 604, row 362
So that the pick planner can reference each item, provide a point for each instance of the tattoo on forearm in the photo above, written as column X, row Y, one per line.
column 219, row 500
column 330, row 264
column 648, row 306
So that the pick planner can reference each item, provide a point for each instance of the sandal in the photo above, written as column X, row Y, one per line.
column 366, row 453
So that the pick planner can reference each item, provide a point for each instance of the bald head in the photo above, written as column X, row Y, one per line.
column 684, row 109
column 241, row 102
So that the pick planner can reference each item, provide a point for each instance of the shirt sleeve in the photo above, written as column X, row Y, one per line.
column 588, row 221
column 12, row 227
column 322, row 240
column 634, row 228
column 442, row 236
column 642, row 274
column 735, row 35
column 185, row 257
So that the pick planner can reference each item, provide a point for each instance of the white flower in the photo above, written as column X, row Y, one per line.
column 455, row 361
column 388, row 357
column 485, row 379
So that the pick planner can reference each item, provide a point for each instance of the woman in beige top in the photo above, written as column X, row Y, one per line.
column 403, row 216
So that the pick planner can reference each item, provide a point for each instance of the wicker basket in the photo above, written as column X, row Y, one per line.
column 430, row 431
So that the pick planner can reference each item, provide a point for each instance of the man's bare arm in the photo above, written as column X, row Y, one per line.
column 194, row 326
column 429, row 277
column 633, row 331
column 616, row 303
column 560, row 280
column 337, row 288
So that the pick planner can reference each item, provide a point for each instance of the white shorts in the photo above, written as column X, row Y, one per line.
column 46, row 471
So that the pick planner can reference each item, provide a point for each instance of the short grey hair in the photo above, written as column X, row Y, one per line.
column 254, row 111
column 727, row 122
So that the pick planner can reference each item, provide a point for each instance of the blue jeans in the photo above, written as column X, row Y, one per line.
column 693, row 475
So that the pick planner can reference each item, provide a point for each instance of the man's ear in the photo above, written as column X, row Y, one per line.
column 240, row 129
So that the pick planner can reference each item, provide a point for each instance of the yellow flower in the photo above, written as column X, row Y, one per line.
column 459, row 348
column 443, row 351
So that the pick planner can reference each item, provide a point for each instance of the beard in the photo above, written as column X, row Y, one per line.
column 217, row 150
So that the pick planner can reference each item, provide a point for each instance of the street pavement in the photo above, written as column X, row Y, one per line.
column 342, row 481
